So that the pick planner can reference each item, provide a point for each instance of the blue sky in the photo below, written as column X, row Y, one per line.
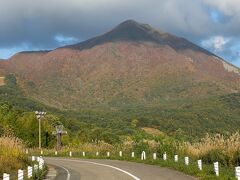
column 40, row 25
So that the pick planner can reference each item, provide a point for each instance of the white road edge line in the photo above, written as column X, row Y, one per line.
column 106, row 165
column 68, row 173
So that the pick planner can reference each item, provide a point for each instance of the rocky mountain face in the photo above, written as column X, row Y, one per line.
column 130, row 65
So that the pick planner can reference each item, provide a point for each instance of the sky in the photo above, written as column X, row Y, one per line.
column 47, row 24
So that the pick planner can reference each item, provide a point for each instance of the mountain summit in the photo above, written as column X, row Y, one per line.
column 133, row 31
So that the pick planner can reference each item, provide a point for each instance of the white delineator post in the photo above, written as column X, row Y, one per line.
column 216, row 168
column 165, row 156
column 33, row 158
column 154, row 156
column 133, row 154
column 97, row 153
column 176, row 158
column 29, row 172
column 6, row 176
column 83, row 153
column 70, row 153
column 199, row 162
column 143, row 156
column 20, row 174
column 41, row 163
column 237, row 172
column 120, row 153
column 56, row 153
column 41, row 152
column 186, row 161
column 108, row 154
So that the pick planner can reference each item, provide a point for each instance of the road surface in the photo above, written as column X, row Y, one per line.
column 86, row 169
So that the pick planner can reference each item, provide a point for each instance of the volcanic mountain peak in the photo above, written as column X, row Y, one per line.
column 135, row 26
column 133, row 31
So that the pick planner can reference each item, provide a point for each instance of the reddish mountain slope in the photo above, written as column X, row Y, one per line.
column 132, row 64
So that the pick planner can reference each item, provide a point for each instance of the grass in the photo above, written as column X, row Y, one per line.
column 2, row 81
column 12, row 154
column 225, row 149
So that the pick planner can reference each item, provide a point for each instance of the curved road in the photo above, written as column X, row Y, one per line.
column 84, row 169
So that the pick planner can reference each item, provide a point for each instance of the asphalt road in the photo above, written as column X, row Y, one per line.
column 86, row 169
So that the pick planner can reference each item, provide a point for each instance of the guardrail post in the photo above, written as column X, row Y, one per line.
column 120, row 153
column 154, row 156
column 186, row 161
column 237, row 170
column 20, row 174
column 176, row 158
column 29, row 172
column 216, row 168
column 199, row 162
column 6, row 176
column 165, row 156
column 143, row 156
column 133, row 154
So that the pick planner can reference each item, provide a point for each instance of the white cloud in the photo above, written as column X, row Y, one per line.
column 217, row 43
column 64, row 40
column 229, row 7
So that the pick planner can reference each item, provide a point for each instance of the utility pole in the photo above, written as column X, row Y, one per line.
column 39, row 115
column 59, row 132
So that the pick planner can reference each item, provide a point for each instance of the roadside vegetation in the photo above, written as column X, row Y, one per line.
column 12, row 154
column 224, row 149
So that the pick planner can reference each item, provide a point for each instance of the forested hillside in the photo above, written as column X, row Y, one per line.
column 216, row 114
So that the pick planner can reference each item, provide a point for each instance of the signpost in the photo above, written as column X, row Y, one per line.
column 59, row 132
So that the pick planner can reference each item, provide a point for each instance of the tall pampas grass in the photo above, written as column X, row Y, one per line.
column 216, row 148
column 12, row 156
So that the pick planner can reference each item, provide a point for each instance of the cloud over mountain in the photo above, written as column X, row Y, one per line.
column 36, row 24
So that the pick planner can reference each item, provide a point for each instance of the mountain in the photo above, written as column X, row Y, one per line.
column 132, row 31
column 132, row 69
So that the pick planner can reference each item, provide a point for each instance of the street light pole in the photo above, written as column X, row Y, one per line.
column 39, row 133
column 39, row 115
